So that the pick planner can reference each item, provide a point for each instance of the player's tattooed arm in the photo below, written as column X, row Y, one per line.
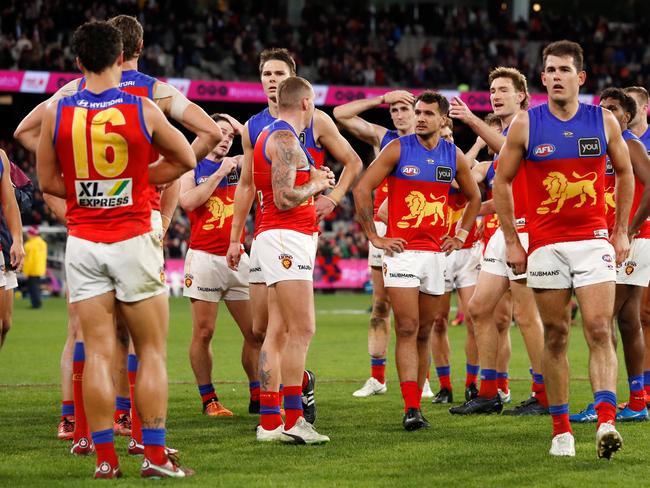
column 286, row 157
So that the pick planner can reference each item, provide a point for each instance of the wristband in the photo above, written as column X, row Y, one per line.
column 336, row 195
column 163, row 216
column 461, row 235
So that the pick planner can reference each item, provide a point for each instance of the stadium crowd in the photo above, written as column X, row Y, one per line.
column 334, row 42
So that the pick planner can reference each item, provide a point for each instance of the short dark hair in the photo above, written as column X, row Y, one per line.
column 291, row 91
column 565, row 48
column 97, row 45
column 518, row 81
column 132, row 34
column 638, row 90
column 429, row 96
column 492, row 119
column 278, row 54
column 627, row 102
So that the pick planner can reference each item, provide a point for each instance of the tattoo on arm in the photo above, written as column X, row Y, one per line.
column 289, row 157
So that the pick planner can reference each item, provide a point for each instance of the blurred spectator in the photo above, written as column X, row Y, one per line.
column 35, row 264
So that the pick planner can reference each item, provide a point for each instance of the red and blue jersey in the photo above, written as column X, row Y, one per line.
column 419, row 188
column 301, row 218
column 210, row 223
column 565, row 170
column 645, row 139
column 610, row 193
column 104, row 149
column 382, row 190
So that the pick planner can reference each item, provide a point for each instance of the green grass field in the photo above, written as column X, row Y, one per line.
column 368, row 447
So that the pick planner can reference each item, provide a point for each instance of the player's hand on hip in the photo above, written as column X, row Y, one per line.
column 323, row 178
column 390, row 245
column 516, row 257
column 459, row 110
column 397, row 96
column 17, row 256
column 450, row 244
column 233, row 255
column 621, row 243
column 324, row 206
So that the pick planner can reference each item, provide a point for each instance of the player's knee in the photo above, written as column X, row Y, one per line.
column 477, row 309
column 556, row 337
column 204, row 333
column 378, row 324
column 645, row 315
column 440, row 324
column 407, row 328
column 381, row 307
column 6, row 326
column 599, row 332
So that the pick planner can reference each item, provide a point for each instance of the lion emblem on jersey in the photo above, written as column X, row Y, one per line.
column 560, row 189
column 220, row 212
column 420, row 208
column 454, row 216
column 609, row 199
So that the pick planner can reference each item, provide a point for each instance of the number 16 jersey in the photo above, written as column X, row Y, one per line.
column 104, row 149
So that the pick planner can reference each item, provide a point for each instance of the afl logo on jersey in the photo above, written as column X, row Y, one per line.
column 410, row 170
column 544, row 150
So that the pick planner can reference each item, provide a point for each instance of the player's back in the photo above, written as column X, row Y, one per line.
column 104, row 149
column 301, row 218
column 565, row 169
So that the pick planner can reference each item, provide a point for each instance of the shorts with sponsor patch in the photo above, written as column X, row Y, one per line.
column 374, row 254
column 574, row 264
column 208, row 277
column 286, row 255
column 255, row 275
column 636, row 268
column 11, row 279
column 494, row 258
column 463, row 266
column 416, row 269
column 133, row 268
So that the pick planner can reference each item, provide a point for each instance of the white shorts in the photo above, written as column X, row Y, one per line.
column 636, row 268
column 374, row 254
column 3, row 275
column 208, row 277
column 286, row 255
column 255, row 275
column 157, row 225
column 494, row 258
column 11, row 279
column 571, row 264
column 134, row 268
column 463, row 266
column 416, row 269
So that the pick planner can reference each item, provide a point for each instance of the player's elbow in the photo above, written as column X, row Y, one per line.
column 186, row 203
column 212, row 136
column 281, row 201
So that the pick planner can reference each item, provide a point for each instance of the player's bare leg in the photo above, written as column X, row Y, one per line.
column 440, row 349
column 7, row 297
column 204, row 318
column 250, row 355
column 645, row 326
column 378, row 337
column 626, row 310
column 68, row 411
column 121, row 380
column 487, row 294
column 471, row 348
column 411, row 369
column 503, row 321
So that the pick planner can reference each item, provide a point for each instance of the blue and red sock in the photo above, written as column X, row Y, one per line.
column 154, row 445
column 646, row 382
column 207, row 394
column 444, row 376
column 502, row 381
column 539, row 389
column 637, row 393
column 67, row 409
column 488, row 388
column 78, row 362
column 378, row 369
column 105, row 447
column 560, row 416
column 605, row 405
column 122, row 406
column 270, row 418
column 254, row 389
column 292, row 405
column 411, row 394
column 471, row 374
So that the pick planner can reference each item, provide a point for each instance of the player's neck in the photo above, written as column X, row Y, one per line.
column 293, row 119
column 100, row 82
column 505, row 121
column 273, row 109
column 564, row 110
column 406, row 132
column 640, row 128
column 131, row 65
column 430, row 141
column 213, row 157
